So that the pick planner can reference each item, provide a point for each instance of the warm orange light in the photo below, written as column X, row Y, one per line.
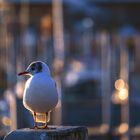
column 77, row 66
column 104, row 128
column 119, row 84
column 46, row 23
column 115, row 98
column 6, row 121
column 123, row 128
column 123, row 94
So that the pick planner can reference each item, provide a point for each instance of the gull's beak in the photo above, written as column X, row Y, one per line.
column 23, row 73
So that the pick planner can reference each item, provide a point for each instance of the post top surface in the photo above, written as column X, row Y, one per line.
column 53, row 131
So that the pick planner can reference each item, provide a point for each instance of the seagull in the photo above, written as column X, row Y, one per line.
column 40, row 93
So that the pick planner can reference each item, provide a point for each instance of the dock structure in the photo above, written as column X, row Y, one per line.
column 53, row 133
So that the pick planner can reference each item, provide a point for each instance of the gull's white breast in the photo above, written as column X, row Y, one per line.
column 40, row 94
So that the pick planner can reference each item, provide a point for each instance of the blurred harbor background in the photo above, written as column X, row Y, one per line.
column 93, row 50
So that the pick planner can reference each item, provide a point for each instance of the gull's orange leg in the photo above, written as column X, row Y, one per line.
column 34, row 116
column 46, row 120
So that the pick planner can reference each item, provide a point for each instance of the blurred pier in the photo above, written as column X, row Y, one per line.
column 92, row 49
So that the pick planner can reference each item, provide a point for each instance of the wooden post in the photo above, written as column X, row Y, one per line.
column 53, row 133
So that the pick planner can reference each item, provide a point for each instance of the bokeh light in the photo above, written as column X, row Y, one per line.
column 123, row 128
column 123, row 94
column 119, row 84
column 6, row 121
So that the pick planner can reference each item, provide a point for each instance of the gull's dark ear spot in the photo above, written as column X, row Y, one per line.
column 39, row 66
column 33, row 65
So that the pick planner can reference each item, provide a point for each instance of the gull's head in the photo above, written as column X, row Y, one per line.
column 36, row 67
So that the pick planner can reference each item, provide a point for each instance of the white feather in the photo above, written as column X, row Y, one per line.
column 40, row 93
